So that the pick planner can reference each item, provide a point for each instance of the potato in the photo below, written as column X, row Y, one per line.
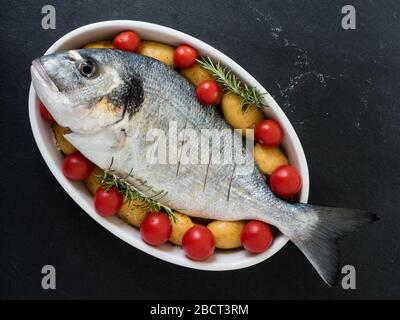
column 159, row 51
column 196, row 74
column 132, row 213
column 232, row 108
column 62, row 143
column 227, row 233
column 269, row 158
column 99, row 45
column 179, row 227
column 92, row 182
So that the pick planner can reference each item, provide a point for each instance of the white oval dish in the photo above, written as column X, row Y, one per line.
column 221, row 260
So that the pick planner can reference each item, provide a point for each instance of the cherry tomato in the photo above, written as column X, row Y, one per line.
column 76, row 167
column 127, row 41
column 107, row 202
column 285, row 181
column 256, row 236
column 46, row 115
column 208, row 92
column 198, row 243
column 156, row 228
column 268, row 133
column 185, row 56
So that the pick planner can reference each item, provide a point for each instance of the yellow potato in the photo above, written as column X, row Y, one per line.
column 132, row 213
column 159, row 51
column 227, row 233
column 268, row 159
column 182, row 224
column 232, row 108
column 62, row 143
column 99, row 45
column 93, row 182
column 196, row 74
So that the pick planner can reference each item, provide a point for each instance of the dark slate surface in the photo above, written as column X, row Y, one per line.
column 339, row 88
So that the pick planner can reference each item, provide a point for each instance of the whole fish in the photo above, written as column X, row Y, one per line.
column 110, row 100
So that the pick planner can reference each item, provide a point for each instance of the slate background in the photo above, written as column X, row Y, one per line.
column 339, row 88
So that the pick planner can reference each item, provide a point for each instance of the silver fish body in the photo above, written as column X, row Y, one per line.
column 129, row 95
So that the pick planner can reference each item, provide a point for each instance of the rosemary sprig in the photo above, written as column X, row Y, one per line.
column 230, row 82
column 136, row 191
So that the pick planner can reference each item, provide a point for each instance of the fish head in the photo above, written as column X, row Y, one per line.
column 86, row 90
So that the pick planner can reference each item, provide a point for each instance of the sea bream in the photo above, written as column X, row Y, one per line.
column 111, row 99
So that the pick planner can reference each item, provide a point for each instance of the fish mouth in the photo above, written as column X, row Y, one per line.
column 40, row 74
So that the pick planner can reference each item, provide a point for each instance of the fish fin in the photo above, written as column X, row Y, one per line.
column 320, row 246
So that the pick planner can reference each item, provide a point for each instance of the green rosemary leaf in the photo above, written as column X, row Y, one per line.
column 134, row 192
column 230, row 82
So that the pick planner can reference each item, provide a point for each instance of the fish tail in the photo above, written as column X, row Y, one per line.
column 319, row 242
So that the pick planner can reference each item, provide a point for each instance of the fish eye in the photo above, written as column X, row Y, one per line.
column 87, row 68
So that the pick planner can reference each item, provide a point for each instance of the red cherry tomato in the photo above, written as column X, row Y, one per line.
column 107, row 203
column 198, row 243
column 46, row 115
column 185, row 56
column 156, row 228
column 285, row 181
column 76, row 167
column 208, row 92
column 256, row 236
column 127, row 41
column 268, row 133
